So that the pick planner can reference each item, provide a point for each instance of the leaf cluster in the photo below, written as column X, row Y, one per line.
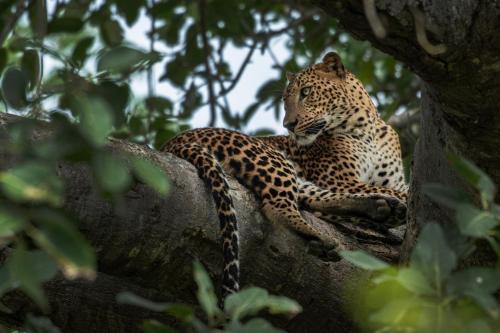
column 434, row 292
column 237, row 316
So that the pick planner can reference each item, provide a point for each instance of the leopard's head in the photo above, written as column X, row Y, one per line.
column 322, row 97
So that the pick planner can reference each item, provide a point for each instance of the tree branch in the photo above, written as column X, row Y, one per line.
column 149, row 244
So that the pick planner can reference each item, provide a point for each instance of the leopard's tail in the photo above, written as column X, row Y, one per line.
column 212, row 173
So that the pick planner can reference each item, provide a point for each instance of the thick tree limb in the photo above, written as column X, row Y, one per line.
column 148, row 244
column 461, row 88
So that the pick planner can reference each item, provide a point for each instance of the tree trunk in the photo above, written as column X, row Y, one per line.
column 460, row 88
column 148, row 243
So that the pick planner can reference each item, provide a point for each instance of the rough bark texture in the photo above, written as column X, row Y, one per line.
column 461, row 88
column 147, row 246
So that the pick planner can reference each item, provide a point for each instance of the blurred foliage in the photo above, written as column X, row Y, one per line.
column 72, row 63
column 435, row 292
column 238, row 315
column 191, row 45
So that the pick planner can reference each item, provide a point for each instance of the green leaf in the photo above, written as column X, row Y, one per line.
column 96, row 118
column 364, row 260
column 151, row 175
column 250, row 301
column 176, row 71
column 127, row 297
column 29, row 270
column 478, row 283
column 475, row 279
column 154, row 326
column 477, row 326
column 10, row 222
column 474, row 176
column 415, row 281
column 432, row 256
column 446, row 196
column 111, row 32
column 253, row 326
column 206, row 295
column 183, row 312
column 30, row 64
column 393, row 311
column 64, row 25
column 283, row 305
column 14, row 85
column 59, row 237
column 129, row 9
column 111, row 173
column 118, row 97
column 246, row 302
column 159, row 104
column 474, row 222
column 32, row 181
column 121, row 59
column 81, row 51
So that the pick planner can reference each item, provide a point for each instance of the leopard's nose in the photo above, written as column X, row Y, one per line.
column 290, row 126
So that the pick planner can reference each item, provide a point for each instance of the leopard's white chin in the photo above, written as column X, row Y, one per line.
column 303, row 140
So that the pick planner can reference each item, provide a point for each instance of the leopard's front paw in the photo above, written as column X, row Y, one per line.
column 398, row 212
column 326, row 250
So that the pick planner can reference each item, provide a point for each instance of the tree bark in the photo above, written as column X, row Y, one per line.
column 460, row 89
column 148, row 243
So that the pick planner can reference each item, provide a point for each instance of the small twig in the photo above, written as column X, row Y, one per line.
column 12, row 19
column 373, row 18
column 274, row 58
column 419, row 18
column 243, row 65
column 208, row 73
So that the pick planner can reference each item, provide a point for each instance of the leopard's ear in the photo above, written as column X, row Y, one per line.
column 331, row 63
column 290, row 76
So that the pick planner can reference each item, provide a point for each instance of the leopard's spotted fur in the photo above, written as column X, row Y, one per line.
column 338, row 148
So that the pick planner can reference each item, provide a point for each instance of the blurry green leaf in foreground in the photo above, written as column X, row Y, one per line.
column 474, row 176
column 81, row 50
column 31, row 67
column 364, row 260
column 33, row 182
column 432, row 255
column 28, row 270
column 478, row 283
column 475, row 222
column 206, row 295
column 111, row 172
column 151, row 175
column 10, row 222
column 96, row 118
column 183, row 312
column 132, row 299
column 250, row 301
column 121, row 59
column 414, row 281
column 14, row 85
column 60, row 238
column 446, row 196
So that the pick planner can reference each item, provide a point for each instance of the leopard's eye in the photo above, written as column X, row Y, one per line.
column 304, row 92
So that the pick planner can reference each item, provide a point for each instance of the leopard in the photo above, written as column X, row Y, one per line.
column 338, row 158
